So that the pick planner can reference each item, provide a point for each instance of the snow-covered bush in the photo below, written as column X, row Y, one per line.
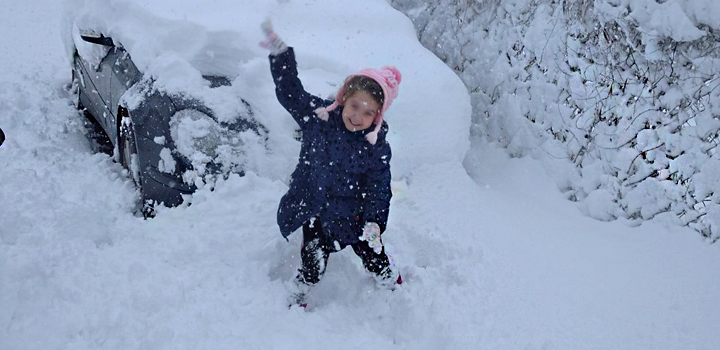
column 627, row 91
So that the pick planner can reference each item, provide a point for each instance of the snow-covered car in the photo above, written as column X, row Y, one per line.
column 166, row 141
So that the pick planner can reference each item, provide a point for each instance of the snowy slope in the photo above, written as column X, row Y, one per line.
column 502, row 262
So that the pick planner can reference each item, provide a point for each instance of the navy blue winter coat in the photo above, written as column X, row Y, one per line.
column 340, row 177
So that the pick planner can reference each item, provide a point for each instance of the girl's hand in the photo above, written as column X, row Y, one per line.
column 371, row 234
column 272, row 40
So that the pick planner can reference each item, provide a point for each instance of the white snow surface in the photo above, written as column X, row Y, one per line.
column 492, row 255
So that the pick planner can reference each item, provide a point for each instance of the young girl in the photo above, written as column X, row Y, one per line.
column 340, row 189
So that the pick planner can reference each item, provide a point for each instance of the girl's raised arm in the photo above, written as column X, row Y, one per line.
column 289, row 90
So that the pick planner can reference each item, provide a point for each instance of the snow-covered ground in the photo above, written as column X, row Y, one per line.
column 492, row 255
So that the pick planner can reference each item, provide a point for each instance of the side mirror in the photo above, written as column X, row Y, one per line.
column 97, row 39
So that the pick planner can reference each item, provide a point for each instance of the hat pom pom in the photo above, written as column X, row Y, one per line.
column 396, row 74
column 322, row 113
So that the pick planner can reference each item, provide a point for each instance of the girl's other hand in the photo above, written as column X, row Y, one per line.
column 371, row 234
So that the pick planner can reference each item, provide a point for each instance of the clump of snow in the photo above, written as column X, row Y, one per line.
column 167, row 162
column 599, row 204
column 658, row 21
column 667, row 19
column 702, row 11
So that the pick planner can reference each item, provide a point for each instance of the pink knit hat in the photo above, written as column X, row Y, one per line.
column 389, row 79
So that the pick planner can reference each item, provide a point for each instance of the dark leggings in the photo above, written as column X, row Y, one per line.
column 316, row 248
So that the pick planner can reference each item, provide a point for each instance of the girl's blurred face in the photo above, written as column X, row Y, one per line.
column 359, row 111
